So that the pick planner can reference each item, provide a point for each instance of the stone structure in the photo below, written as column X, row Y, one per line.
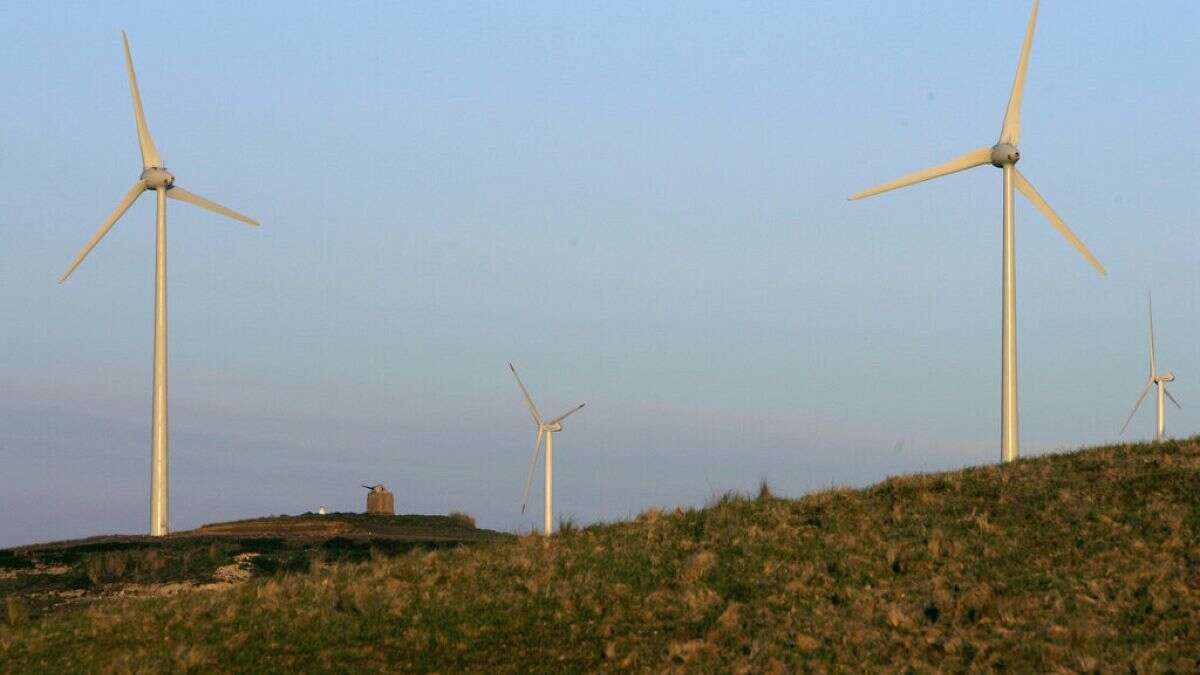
column 380, row 501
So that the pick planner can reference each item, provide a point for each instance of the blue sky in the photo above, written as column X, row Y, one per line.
column 641, row 205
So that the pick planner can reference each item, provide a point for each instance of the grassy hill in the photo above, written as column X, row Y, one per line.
column 64, row 576
column 1078, row 562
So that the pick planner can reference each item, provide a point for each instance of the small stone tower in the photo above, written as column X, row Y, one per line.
column 380, row 501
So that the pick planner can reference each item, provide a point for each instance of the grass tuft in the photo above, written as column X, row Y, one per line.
column 15, row 612
column 764, row 491
column 567, row 527
column 462, row 519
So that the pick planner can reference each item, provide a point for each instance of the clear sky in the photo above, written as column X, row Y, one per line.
column 643, row 205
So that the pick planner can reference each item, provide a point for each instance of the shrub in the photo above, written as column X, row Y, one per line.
column 16, row 612
column 764, row 491
column 461, row 519
column 217, row 553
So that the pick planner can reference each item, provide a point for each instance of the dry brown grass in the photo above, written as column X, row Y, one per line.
column 15, row 612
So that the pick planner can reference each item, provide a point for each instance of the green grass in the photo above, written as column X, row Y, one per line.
column 1078, row 562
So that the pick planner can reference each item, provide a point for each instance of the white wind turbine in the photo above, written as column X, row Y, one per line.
column 546, row 431
column 1004, row 155
column 154, row 177
column 1160, row 426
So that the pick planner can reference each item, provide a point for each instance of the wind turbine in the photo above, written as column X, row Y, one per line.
column 1155, row 379
column 156, row 178
column 546, row 431
column 1003, row 155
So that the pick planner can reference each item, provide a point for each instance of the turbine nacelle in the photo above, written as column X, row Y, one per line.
column 1168, row 377
column 553, row 428
column 156, row 177
column 1005, row 154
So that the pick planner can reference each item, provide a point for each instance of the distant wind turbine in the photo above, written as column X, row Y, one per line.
column 1160, row 426
column 546, row 431
column 154, row 177
column 1004, row 155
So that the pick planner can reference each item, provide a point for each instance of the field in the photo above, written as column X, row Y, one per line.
column 65, row 576
column 1079, row 562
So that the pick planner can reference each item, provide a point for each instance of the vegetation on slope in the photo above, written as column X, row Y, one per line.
column 63, row 576
column 1075, row 562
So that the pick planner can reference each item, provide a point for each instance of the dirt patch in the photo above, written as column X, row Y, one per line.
column 241, row 569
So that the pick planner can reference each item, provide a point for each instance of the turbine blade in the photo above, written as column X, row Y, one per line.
column 1031, row 193
column 1150, row 300
column 537, row 418
column 182, row 195
column 1172, row 398
column 126, row 201
column 1135, row 407
column 149, row 152
column 567, row 414
column 968, row 161
column 1011, row 131
column 537, row 450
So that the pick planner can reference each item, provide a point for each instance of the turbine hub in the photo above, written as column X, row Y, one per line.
column 556, row 427
column 157, row 177
column 1004, row 154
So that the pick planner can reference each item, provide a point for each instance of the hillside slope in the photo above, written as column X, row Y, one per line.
column 1077, row 562
column 70, row 575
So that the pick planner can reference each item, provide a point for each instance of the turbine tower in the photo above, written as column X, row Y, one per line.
column 546, row 431
column 156, row 178
column 1160, row 425
column 1003, row 155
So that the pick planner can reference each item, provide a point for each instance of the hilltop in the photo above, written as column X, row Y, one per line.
column 1084, row 561
column 69, row 575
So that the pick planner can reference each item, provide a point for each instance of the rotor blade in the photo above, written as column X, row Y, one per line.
column 176, row 192
column 968, row 161
column 1031, row 193
column 1172, row 398
column 1135, row 407
column 126, row 201
column 149, row 152
column 1150, row 301
column 1011, row 131
column 537, row 450
column 567, row 414
column 537, row 418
